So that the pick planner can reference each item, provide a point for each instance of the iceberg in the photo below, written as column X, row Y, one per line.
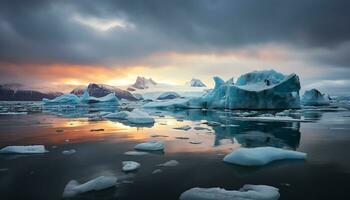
column 24, row 149
column 168, row 95
column 150, row 146
column 109, row 98
column 256, row 90
column 195, row 83
column 63, row 99
column 136, row 116
column 260, row 156
column 247, row 192
column 73, row 188
column 314, row 97
column 130, row 166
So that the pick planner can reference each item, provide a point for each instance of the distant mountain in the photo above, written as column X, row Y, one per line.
column 196, row 83
column 100, row 90
column 143, row 83
column 12, row 92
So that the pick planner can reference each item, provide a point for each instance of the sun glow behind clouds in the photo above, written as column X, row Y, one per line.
column 102, row 24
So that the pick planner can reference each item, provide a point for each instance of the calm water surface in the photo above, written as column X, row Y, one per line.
column 324, row 175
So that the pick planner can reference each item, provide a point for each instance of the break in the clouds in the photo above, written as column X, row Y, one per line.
column 120, row 34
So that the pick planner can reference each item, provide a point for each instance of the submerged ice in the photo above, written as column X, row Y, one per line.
column 150, row 146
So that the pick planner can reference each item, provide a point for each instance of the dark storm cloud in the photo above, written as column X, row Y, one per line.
column 46, row 32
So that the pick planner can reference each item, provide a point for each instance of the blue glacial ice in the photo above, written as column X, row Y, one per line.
column 261, row 156
column 247, row 192
column 314, row 97
column 73, row 188
column 63, row 99
column 30, row 149
column 168, row 95
column 256, row 90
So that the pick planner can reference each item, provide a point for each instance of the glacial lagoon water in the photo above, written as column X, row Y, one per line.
column 100, row 145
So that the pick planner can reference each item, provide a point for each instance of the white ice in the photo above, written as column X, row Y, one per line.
column 261, row 156
column 130, row 166
column 150, row 146
column 170, row 163
column 247, row 192
column 68, row 152
column 135, row 153
column 24, row 149
column 73, row 188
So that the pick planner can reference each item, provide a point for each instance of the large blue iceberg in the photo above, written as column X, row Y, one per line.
column 256, row 90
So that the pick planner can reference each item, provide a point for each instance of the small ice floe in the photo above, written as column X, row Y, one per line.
column 69, row 152
column 24, row 149
column 150, row 146
column 247, row 192
column 184, row 128
column 212, row 123
column 261, row 156
column 135, row 117
column 229, row 125
column 182, row 138
column 157, row 171
column 73, row 188
column 130, row 166
column 98, row 129
column 13, row 113
column 195, row 142
column 170, row 163
column 136, row 153
column 272, row 118
column 198, row 128
column 156, row 136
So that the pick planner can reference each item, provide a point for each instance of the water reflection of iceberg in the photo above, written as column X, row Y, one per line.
column 247, row 133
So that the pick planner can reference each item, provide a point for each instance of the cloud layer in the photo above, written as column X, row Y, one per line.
column 123, row 34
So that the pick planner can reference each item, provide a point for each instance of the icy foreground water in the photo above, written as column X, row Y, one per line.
column 100, row 147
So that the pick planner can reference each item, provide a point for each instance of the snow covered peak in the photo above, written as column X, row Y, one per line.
column 196, row 83
column 143, row 83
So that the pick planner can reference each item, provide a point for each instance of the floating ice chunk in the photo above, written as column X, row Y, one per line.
column 135, row 117
column 170, row 163
column 185, row 128
column 130, row 166
column 195, row 142
column 150, row 146
column 24, row 149
column 168, row 95
column 73, row 188
column 271, row 118
column 247, row 192
column 140, row 117
column 68, row 152
column 261, row 156
column 314, row 97
column 157, row 171
column 135, row 153
column 109, row 98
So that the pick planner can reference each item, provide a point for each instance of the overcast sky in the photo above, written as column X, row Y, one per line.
column 74, row 42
